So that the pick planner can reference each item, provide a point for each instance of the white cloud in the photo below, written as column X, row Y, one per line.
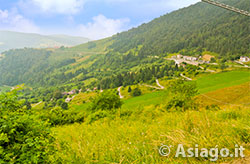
column 11, row 20
column 102, row 27
column 71, row 7
column 59, row 6
column 3, row 14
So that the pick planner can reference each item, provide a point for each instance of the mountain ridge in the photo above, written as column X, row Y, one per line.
column 15, row 40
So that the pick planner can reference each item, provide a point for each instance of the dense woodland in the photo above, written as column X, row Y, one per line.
column 194, row 28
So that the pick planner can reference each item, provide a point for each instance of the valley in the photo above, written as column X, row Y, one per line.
column 182, row 78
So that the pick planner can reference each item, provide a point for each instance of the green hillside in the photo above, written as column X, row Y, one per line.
column 194, row 28
column 191, row 31
column 13, row 40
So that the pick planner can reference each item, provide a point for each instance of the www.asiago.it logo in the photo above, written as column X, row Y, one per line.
column 213, row 154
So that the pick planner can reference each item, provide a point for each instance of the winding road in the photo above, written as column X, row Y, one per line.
column 120, row 94
column 186, row 77
column 157, row 82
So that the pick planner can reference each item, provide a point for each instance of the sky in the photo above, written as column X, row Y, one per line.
column 94, row 19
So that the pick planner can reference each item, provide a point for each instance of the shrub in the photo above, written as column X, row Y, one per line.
column 136, row 92
column 64, row 106
column 181, row 95
column 213, row 60
column 97, row 116
column 129, row 89
column 213, row 107
column 23, row 137
column 58, row 116
column 106, row 101
column 57, row 95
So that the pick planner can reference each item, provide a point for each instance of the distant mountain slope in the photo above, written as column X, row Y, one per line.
column 190, row 31
column 13, row 40
column 200, row 26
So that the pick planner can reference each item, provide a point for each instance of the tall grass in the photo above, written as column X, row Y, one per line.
column 136, row 139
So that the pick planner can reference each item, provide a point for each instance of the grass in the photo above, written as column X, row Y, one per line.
column 222, row 80
column 205, row 84
column 235, row 95
column 153, row 98
column 136, row 139
column 144, row 90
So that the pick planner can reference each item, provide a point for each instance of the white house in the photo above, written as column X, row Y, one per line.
column 244, row 59
column 189, row 58
column 193, row 59
column 68, row 99
column 179, row 56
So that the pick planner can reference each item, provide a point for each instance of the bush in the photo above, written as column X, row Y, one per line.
column 213, row 107
column 23, row 137
column 136, row 92
column 97, row 116
column 64, row 106
column 129, row 89
column 106, row 101
column 58, row 116
column 181, row 95
column 213, row 60
column 57, row 95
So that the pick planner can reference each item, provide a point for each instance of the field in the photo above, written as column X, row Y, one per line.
column 136, row 139
column 205, row 84
column 135, row 132
column 222, row 80
column 238, row 95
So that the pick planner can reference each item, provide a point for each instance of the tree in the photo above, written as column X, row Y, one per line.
column 57, row 94
column 27, row 104
column 129, row 89
column 222, row 66
column 59, row 102
column 181, row 95
column 107, row 100
column 213, row 60
column 136, row 92
column 45, row 105
column 64, row 105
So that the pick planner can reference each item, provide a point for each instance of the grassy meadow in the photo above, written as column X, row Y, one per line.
column 222, row 80
column 136, row 139
column 134, row 133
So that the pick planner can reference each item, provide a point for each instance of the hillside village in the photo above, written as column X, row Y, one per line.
column 180, row 60
column 193, row 60
column 205, row 59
